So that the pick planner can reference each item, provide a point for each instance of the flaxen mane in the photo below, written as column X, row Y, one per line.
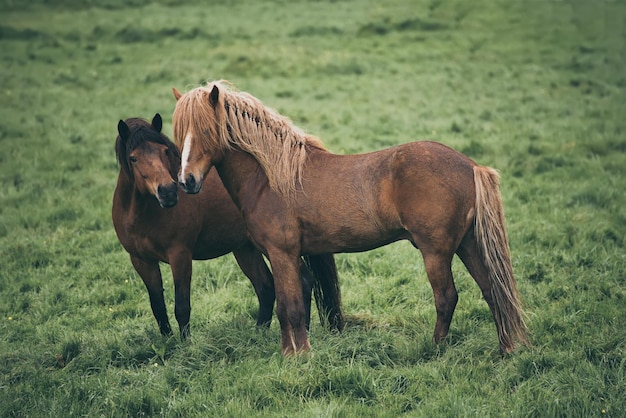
column 239, row 120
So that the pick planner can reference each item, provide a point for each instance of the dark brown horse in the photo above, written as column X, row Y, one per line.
column 154, row 225
column 298, row 198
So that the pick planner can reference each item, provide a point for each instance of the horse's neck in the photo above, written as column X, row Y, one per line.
column 241, row 174
column 123, row 190
column 132, row 203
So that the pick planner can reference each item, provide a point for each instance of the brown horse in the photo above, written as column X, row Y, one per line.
column 298, row 198
column 194, row 227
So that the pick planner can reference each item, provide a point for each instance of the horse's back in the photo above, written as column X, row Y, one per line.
column 434, row 156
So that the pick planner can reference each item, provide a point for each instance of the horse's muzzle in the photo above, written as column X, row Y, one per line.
column 190, row 184
column 168, row 195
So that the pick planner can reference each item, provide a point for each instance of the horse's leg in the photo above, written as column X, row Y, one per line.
column 150, row 273
column 181, row 263
column 251, row 262
column 290, row 307
column 438, row 269
column 326, row 289
column 470, row 256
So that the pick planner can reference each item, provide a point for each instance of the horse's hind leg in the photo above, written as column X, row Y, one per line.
column 470, row 256
column 438, row 269
column 251, row 262
column 150, row 273
column 307, row 288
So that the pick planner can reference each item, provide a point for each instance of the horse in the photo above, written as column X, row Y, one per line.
column 154, row 225
column 298, row 198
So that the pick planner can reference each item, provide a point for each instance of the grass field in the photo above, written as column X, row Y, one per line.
column 536, row 89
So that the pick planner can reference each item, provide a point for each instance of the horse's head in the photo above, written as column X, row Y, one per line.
column 199, row 124
column 149, row 158
column 211, row 121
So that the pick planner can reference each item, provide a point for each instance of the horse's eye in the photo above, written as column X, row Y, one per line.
column 133, row 159
column 167, row 152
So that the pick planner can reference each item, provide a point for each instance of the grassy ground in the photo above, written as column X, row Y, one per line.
column 535, row 89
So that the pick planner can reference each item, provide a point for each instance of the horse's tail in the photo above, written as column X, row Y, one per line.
column 493, row 245
column 326, row 289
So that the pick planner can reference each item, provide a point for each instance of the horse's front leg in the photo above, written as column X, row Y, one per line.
column 150, row 273
column 290, row 306
column 181, row 264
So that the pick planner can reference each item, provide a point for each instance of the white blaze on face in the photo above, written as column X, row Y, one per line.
column 185, row 156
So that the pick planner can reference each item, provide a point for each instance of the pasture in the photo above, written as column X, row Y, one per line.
column 535, row 89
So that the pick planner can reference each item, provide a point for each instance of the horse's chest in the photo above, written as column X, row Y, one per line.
column 141, row 242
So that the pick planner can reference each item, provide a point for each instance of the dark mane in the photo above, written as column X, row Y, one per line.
column 141, row 131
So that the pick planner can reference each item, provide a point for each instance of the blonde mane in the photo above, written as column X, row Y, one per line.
column 239, row 120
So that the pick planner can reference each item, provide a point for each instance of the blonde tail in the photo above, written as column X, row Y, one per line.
column 492, row 240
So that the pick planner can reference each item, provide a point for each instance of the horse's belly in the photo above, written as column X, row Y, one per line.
column 204, row 250
column 348, row 237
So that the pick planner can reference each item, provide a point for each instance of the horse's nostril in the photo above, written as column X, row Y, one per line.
column 191, row 181
column 169, row 190
column 168, row 195
column 189, row 184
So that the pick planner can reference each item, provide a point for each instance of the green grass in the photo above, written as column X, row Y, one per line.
column 535, row 89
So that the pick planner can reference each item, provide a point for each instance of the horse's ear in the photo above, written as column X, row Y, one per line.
column 214, row 96
column 157, row 123
column 177, row 94
column 123, row 130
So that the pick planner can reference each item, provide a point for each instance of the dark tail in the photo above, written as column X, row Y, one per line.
column 492, row 240
column 326, row 289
